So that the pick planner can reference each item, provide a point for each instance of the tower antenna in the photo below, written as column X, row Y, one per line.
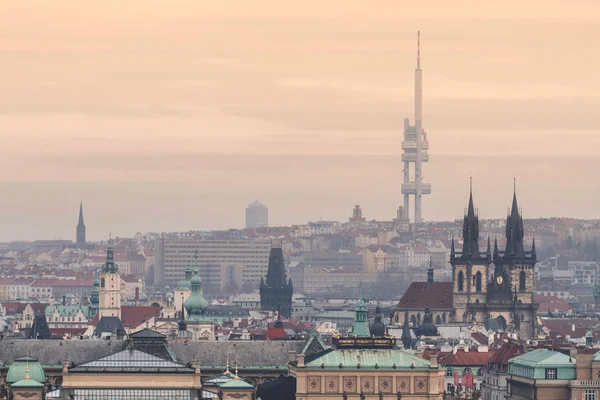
column 418, row 49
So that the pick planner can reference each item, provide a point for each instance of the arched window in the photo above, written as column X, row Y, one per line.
column 444, row 318
column 449, row 372
column 480, row 372
column 438, row 320
column 522, row 281
column 460, row 282
column 478, row 281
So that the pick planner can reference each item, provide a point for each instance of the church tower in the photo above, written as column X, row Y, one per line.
column 81, row 244
column 511, row 297
column 110, row 287
column 276, row 294
column 469, row 270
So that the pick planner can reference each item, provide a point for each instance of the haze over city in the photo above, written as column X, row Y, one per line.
column 165, row 119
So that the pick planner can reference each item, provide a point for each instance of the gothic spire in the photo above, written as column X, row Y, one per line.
column 406, row 338
column 495, row 248
column 533, row 252
column 430, row 272
column 81, row 214
column 452, row 250
column 514, row 230
column 488, row 252
column 470, row 229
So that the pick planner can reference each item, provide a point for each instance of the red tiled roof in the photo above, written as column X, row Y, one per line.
column 63, row 282
column 480, row 338
column 551, row 303
column 59, row 333
column 437, row 295
column 134, row 316
column 130, row 278
column 506, row 352
column 15, row 307
column 462, row 358
column 564, row 326
column 276, row 333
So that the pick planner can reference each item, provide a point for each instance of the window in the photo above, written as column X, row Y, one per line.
column 522, row 281
column 449, row 372
column 590, row 394
column 478, row 281
column 550, row 373
column 460, row 282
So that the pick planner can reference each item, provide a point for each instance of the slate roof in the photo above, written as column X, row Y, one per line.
column 436, row 295
column 108, row 325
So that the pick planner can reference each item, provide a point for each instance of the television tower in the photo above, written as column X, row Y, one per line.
column 415, row 146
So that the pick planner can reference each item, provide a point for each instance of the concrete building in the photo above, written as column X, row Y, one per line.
column 257, row 215
column 219, row 262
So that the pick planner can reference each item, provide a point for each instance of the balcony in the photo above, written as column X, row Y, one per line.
column 412, row 145
column 411, row 188
column 412, row 157
column 588, row 384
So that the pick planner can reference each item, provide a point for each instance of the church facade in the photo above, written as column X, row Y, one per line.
column 492, row 289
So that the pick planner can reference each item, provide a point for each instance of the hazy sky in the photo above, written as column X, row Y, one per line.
column 174, row 115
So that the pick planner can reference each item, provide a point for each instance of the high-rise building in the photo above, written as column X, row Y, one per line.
column 257, row 215
column 220, row 262
column 414, row 148
column 276, row 293
column 81, row 229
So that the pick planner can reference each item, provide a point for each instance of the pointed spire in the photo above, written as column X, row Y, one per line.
column 406, row 338
column 514, row 229
column 418, row 49
column 533, row 252
column 430, row 272
column 470, row 228
column 452, row 250
column 81, row 214
column 495, row 248
column 488, row 252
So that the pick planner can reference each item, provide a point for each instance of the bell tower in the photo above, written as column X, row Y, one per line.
column 110, row 286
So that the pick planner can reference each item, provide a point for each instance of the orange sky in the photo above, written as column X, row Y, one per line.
column 174, row 118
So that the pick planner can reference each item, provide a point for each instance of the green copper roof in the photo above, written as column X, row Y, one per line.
column 17, row 370
column 361, row 324
column 543, row 357
column 368, row 359
column 236, row 384
column 186, row 283
column 66, row 311
column 27, row 383
column 535, row 365
column 196, row 304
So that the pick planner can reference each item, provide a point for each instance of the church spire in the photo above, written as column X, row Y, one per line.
column 406, row 338
column 488, row 252
column 496, row 248
column 430, row 272
column 514, row 230
column 80, row 236
column 452, row 250
column 470, row 229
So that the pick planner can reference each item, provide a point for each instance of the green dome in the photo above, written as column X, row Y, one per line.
column 196, row 304
column 17, row 370
column 185, row 284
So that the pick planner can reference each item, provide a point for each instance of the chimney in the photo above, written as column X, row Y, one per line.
column 65, row 367
column 300, row 359
column 434, row 361
column 292, row 356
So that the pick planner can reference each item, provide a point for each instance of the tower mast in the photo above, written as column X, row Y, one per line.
column 418, row 130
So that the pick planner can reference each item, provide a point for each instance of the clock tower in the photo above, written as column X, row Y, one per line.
column 110, row 287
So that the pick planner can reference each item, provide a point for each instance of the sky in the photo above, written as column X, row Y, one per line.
column 170, row 116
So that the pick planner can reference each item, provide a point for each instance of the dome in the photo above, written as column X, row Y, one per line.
column 185, row 284
column 196, row 304
column 17, row 370
column 377, row 328
column 427, row 328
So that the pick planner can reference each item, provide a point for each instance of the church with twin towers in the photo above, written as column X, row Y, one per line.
column 493, row 289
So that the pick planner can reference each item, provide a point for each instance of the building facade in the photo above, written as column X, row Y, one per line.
column 219, row 262
column 257, row 216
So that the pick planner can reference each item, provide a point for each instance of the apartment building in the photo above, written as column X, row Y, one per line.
column 323, row 280
column 220, row 262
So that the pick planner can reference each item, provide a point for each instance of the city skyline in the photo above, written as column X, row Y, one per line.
column 154, row 133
